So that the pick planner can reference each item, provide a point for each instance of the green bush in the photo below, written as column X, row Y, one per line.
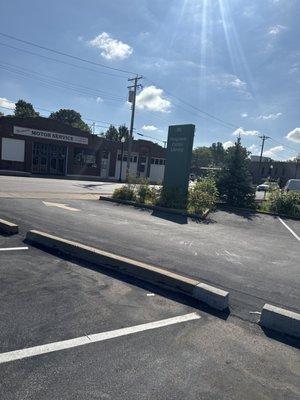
column 287, row 203
column 144, row 192
column 203, row 195
column 125, row 192
column 171, row 198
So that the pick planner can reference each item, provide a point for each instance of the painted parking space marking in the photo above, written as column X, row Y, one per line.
column 87, row 339
column 13, row 248
column 59, row 205
column 289, row 229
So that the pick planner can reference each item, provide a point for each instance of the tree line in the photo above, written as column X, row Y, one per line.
column 24, row 109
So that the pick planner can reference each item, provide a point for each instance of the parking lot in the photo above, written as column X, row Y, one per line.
column 181, row 352
column 254, row 256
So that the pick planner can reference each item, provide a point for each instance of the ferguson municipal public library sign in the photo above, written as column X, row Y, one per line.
column 50, row 135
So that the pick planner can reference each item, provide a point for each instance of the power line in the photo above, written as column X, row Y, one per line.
column 150, row 137
column 223, row 122
column 284, row 145
column 55, row 80
column 211, row 116
column 50, row 84
column 229, row 124
column 65, row 54
column 63, row 62
column 85, row 119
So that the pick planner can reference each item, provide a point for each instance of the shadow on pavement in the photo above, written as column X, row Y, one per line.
column 246, row 214
column 280, row 337
column 176, row 218
column 89, row 186
column 180, row 298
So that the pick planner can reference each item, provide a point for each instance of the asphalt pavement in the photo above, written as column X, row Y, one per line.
column 124, row 344
column 40, row 187
column 254, row 256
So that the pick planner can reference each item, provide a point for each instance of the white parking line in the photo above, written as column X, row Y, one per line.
column 13, row 248
column 97, row 337
column 288, row 228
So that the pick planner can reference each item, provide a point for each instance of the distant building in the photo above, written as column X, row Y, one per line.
column 48, row 147
column 257, row 158
column 275, row 170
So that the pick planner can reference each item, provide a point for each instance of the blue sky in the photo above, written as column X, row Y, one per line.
column 238, row 60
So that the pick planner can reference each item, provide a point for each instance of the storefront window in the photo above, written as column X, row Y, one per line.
column 85, row 157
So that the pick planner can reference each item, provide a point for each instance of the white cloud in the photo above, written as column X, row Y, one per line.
column 253, row 148
column 230, row 81
column 294, row 68
column 244, row 115
column 151, row 98
column 228, row 144
column 273, row 152
column 99, row 100
column 270, row 116
column 276, row 29
column 243, row 132
column 7, row 103
column 294, row 135
column 237, row 83
column 149, row 128
column 112, row 49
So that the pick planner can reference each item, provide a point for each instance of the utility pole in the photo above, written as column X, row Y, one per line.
column 131, row 99
column 263, row 138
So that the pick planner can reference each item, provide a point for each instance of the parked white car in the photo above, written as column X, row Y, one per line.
column 263, row 187
column 292, row 184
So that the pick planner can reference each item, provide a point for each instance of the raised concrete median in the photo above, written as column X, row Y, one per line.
column 280, row 320
column 214, row 297
column 8, row 228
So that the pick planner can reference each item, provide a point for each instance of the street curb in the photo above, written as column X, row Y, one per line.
column 214, row 297
column 280, row 320
column 155, row 208
column 8, row 227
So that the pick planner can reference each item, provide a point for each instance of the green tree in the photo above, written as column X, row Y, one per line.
column 24, row 109
column 115, row 134
column 218, row 153
column 1, row 114
column 112, row 134
column 123, row 132
column 235, row 181
column 201, row 157
column 70, row 117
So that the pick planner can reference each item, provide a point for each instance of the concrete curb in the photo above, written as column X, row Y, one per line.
column 155, row 208
column 210, row 295
column 8, row 227
column 280, row 320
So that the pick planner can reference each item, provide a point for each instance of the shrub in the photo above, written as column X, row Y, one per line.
column 144, row 192
column 203, row 195
column 172, row 198
column 287, row 203
column 125, row 192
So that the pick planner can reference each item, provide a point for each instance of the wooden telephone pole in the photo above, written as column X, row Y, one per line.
column 132, row 99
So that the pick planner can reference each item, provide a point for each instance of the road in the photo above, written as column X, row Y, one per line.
column 181, row 352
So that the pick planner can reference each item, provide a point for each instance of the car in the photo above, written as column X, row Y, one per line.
column 263, row 187
column 292, row 185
